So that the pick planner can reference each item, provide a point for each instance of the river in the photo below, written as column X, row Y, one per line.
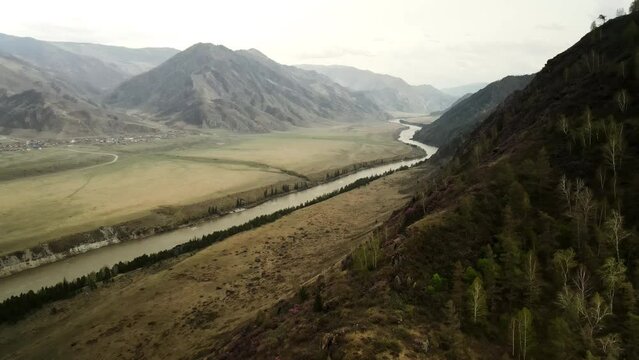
column 76, row 266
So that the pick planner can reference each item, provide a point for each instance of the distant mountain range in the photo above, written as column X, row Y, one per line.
column 71, row 89
column 54, row 89
column 125, row 60
column 388, row 92
column 45, row 101
column 470, row 111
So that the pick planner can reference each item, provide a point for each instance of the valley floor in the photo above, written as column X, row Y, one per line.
column 51, row 193
column 182, row 308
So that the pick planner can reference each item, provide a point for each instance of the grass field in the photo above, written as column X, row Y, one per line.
column 49, row 193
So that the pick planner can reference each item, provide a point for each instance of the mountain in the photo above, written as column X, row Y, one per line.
column 388, row 92
column 523, row 246
column 462, row 98
column 126, row 60
column 464, row 89
column 89, row 75
column 465, row 115
column 33, row 99
column 512, row 250
column 213, row 86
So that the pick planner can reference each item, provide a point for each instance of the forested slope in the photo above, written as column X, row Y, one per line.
column 523, row 246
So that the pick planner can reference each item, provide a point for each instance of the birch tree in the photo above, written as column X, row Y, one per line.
column 601, row 176
column 581, row 280
column 584, row 203
column 531, row 276
column 616, row 232
column 610, row 345
column 622, row 100
column 588, row 125
column 521, row 333
column 477, row 300
column 593, row 316
column 564, row 262
column 565, row 188
column 563, row 124
column 613, row 273
column 613, row 150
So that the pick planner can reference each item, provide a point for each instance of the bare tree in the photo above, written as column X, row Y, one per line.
column 581, row 280
column 622, row 100
column 584, row 203
column 593, row 61
column 616, row 232
column 593, row 316
column 565, row 187
column 531, row 275
column 588, row 125
column 601, row 176
column 613, row 150
column 622, row 69
column 563, row 123
column 564, row 261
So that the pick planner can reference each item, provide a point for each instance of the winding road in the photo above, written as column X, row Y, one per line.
column 115, row 158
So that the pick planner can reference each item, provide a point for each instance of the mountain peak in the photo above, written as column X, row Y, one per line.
column 207, row 49
column 213, row 86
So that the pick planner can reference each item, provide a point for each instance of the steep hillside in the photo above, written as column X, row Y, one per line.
column 388, row 92
column 464, row 89
column 524, row 246
column 464, row 116
column 213, row 86
column 36, row 101
column 91, row 76
column 127, row 60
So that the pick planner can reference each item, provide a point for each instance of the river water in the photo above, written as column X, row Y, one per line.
column 76, row 266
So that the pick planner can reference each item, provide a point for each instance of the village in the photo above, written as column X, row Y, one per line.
column 16, row 144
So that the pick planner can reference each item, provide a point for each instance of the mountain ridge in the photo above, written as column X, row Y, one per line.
column 240, row 90
column 461, row 118
column 388, row 92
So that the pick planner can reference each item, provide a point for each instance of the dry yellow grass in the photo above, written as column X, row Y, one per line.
column 175, row 172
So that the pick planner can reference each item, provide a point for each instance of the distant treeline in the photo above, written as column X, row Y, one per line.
column 17, row 307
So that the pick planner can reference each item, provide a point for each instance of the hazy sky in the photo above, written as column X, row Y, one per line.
column 444, row 43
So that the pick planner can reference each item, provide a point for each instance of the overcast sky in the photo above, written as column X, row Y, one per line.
column 444, row 43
